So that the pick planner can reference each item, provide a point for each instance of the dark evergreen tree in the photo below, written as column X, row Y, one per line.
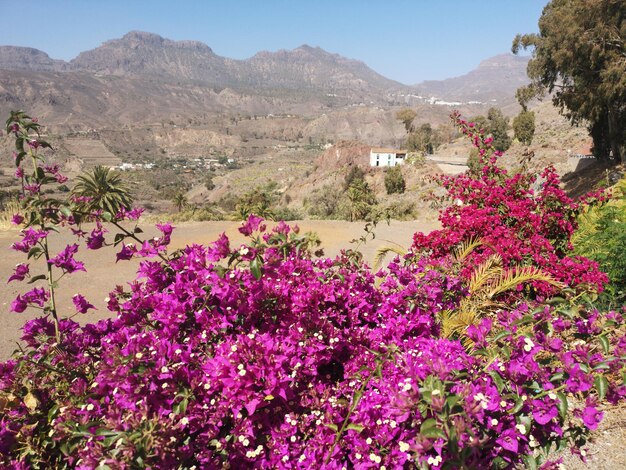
column 579, row 55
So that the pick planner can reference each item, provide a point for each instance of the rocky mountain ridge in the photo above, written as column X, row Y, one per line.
column 305, row 94
column 148, row 55
column 304, row 69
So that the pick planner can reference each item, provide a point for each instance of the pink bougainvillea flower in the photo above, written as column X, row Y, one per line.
column 126, row 253
column 65, row 260
column 81, row 303
column 21, row 271
column 253, row 223
column 591, row 417
column 30, row 237
column 95, row 240
column 37, row 297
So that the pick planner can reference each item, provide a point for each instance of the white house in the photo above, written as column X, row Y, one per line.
column 386, row 157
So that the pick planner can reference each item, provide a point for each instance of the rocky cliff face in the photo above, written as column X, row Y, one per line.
column 305, row 68
column 150, row 55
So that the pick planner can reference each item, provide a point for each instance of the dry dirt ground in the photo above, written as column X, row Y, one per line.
column 607, row 446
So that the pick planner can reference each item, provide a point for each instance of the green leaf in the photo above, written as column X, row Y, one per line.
column 119, row 237
column 429, row 423
column 355, row 427
column 39, row 174
column 255, row 269
column 65, row 211
column 35, row 252
column 601, row 384
column 107, row 216
column 36, row 278
column 331, row 426
column 52, row 412
column 19, row 158
column 452, row 401
column 429, row 429
column 519, row 403
column 501, row 335
column 558, row 376
column 605, row 343
column 531, row 463
column 497, row 380
column 499, row 463
column 562, row 405
column 526, row 319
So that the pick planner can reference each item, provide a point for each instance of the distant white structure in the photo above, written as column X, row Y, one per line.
column 386, row 157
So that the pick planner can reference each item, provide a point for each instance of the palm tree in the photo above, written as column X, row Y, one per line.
column 180, row 201
column 103, row 189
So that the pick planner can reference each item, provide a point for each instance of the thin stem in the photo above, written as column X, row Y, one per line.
column 46, row 251
column 53, row 308
column 137, row 239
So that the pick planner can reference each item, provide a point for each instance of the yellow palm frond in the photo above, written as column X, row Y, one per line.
column 465, row 248
column 485, row 273
column 383, row 251
column 510, row 279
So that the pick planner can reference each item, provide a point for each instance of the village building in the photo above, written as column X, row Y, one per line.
column 386, row 157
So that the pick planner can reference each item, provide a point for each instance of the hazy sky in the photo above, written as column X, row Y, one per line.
column 406, row 40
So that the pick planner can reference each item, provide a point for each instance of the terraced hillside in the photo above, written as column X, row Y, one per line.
column 90, row 152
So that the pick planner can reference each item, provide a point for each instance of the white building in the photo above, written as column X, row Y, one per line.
column 386, row 157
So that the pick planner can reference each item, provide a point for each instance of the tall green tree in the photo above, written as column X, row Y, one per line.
column 180, row 201
column 422, row 140
column 579, row 55
column 361, row 200
column 498, row 126
column 406, row 116
column 524, row 126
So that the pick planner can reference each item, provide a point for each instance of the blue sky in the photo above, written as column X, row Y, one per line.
column 406, row 40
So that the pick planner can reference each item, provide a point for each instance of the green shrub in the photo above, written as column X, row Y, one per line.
column 394, row 181
column 601, row 236
column 524, row 127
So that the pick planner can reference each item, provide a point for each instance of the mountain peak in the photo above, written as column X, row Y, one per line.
column 28, row 58
column 136, row 38
column 504, row 61
column 495, row 80
column 142, row 36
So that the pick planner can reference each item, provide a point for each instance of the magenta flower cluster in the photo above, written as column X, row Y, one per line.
column 264, row 356
column 527, row 219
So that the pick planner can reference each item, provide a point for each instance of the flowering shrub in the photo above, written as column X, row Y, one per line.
column 264, row 356
column 525, row 220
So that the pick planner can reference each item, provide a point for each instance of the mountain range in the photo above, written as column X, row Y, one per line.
column 143, row 74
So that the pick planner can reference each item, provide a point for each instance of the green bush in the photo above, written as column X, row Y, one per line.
column 601, row 236
column 524, row 127
column 394, row 181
